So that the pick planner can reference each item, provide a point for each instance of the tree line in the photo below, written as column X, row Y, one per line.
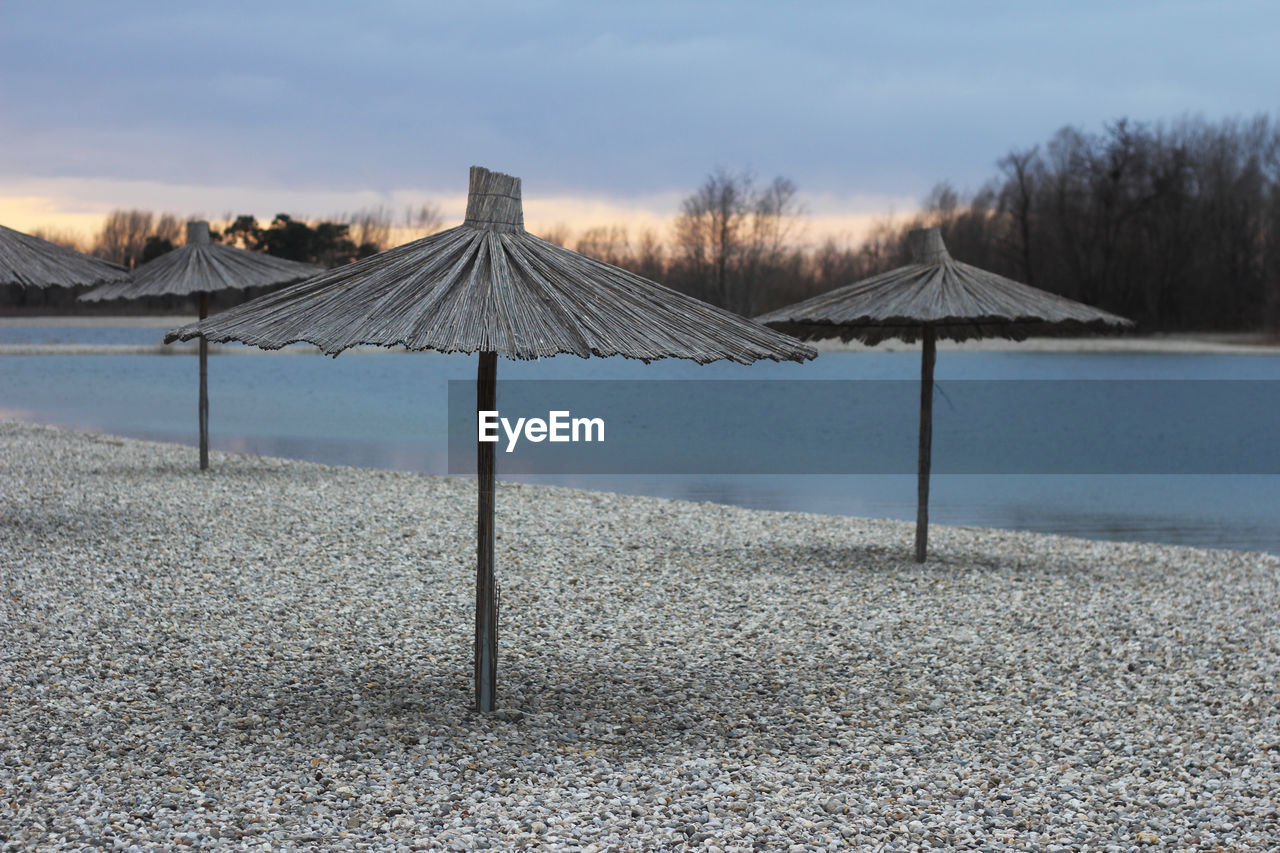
column 1174, row 225
column 134, row 237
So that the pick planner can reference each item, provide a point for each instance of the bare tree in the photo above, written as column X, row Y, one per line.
column 1021, row 170
column 59, row 236
column 710, row 234
column 650, row 258
column 170, row 228
column 123, row 236
column 369, row 228
column 608, row 243
column 733, row 242
column 769, row 262
column 558, row 234
column 423, row 220
column 1271, row 261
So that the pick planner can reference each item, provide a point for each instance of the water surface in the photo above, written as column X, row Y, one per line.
column 389, row 410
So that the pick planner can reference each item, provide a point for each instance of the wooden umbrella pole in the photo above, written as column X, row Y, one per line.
column 927, row 356
column 204, row 388
column 486, row 672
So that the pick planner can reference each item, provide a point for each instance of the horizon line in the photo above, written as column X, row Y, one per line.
column 77, row 208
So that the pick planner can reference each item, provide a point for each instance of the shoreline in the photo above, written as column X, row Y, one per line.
column 281, row 650
column 907, row 526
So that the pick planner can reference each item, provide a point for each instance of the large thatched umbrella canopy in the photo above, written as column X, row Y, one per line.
column 489, row 287
column 33, row 262
column 936, row 297
column 199, row 268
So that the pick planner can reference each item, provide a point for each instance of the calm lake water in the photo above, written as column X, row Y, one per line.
column 389, row 410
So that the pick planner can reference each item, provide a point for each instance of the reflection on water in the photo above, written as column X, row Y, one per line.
column 390, row 411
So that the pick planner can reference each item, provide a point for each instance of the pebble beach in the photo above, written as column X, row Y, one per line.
column 277, row 655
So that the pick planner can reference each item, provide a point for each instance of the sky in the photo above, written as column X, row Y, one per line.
column 610, row 112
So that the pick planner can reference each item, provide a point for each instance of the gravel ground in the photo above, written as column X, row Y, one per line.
column 278, row 653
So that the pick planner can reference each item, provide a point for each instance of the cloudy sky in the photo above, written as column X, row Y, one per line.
column 609, row 111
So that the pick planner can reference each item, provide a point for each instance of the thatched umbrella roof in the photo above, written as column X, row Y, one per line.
column 489, row 287
column 33, row 262
column 936, row 297
column 202, row 266
column 956, row 300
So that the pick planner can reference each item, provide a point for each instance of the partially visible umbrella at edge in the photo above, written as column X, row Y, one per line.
column 32, row 262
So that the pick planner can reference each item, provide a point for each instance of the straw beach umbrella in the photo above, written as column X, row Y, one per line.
column 33, row 262
column 489, row 287
column 935, row 297
column 201, row 267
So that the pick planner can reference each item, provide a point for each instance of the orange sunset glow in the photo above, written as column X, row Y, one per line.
column 68, row 207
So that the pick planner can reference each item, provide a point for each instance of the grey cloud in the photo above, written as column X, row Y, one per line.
column 615, row 98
